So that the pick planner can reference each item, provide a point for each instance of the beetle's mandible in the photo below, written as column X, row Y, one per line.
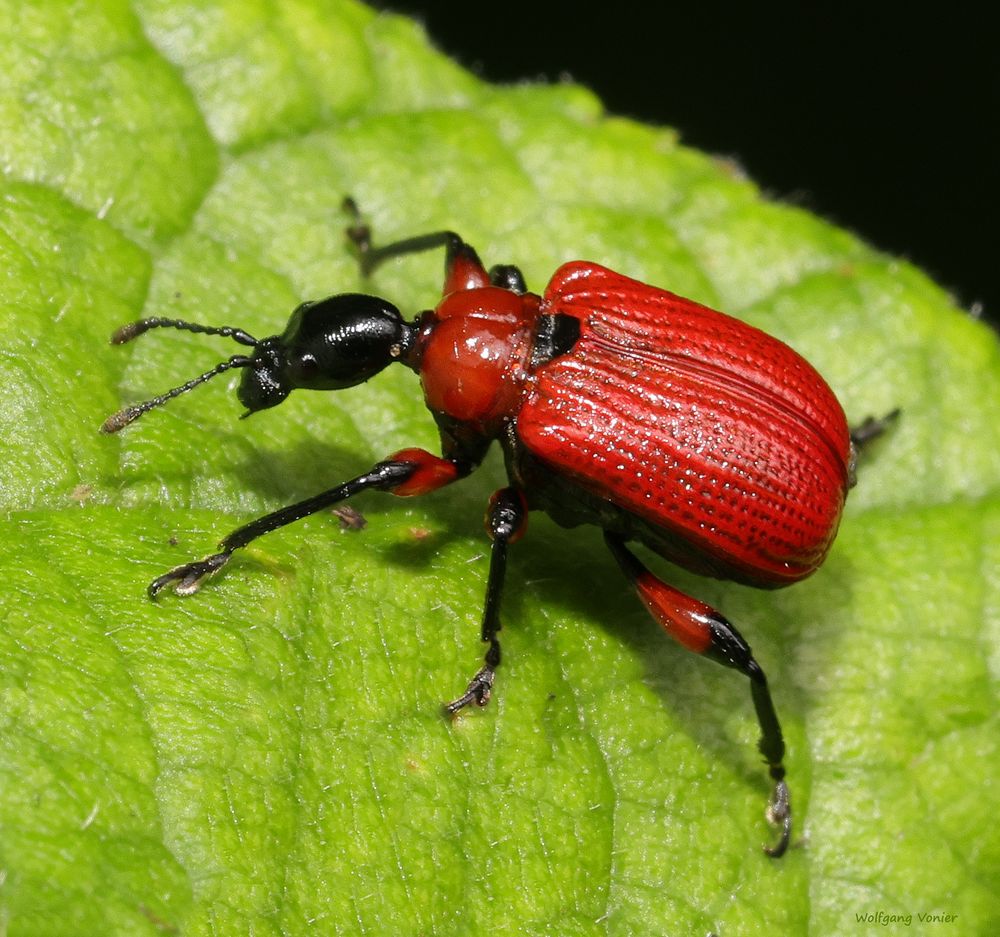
column 615, row 404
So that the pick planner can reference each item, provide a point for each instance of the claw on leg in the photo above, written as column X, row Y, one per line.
column 189, row 577
column 779, row 813
column 478, row 692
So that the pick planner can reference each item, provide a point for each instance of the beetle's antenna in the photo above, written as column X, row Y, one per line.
column 134, row 329
column 126, row 415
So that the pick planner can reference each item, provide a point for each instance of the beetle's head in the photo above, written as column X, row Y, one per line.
column 337, row 342
column 334, row 343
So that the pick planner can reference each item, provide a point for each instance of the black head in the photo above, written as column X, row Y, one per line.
column 334, row 343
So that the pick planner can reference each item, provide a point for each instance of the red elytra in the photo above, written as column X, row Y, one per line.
column 615, row 403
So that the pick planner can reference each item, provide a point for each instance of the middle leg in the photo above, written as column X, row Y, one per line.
column 506, row 521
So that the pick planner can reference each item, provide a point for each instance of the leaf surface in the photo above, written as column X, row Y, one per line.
column 268, row 756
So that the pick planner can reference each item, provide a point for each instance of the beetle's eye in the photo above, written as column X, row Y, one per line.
column 306, row 366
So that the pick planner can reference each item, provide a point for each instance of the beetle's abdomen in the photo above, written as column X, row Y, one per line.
column 697, row 423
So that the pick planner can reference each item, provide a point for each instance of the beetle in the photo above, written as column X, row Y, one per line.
column 615, row 403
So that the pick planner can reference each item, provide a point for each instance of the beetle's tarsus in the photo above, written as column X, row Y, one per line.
column 189, row 577
column 478, row 691
column 779, row 813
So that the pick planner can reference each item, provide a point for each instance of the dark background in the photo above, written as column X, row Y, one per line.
column 880, row 120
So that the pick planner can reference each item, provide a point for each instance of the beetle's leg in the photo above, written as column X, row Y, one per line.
column 407, row 472
column 506, row 521
column 700, row 628
column 862, row 435
column 463, row 270
column 509, row 277
column 872, row 427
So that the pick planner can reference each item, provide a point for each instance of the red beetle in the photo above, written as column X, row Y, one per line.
column 615, row 403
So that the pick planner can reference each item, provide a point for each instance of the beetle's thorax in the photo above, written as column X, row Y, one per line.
column 473, row 353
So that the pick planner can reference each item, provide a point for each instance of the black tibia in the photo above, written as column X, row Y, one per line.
column 862, row 435
column 729, row 648
column 506, row 518
column 384, row 476
column 373, row 257
column 872, row 427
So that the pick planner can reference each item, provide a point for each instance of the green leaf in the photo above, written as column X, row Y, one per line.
column 268, row 756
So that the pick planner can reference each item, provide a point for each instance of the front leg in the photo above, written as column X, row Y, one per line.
column 407, row 472
column 463, row 270
column 506, row 521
